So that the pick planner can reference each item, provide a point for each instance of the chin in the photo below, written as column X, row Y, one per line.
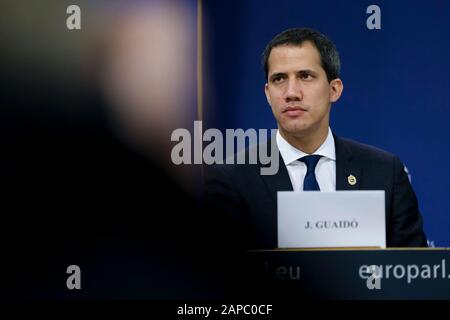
column 295, row 133
column 296, row 128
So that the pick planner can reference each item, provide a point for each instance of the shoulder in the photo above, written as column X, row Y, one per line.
column 363, row 152
column 245, row 163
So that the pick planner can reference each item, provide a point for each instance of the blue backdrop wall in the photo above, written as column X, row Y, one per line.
column 396, row 79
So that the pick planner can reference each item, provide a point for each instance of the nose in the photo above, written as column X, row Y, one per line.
column 294, row 91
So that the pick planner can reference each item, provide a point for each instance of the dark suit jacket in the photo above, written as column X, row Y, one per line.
column 248, row 199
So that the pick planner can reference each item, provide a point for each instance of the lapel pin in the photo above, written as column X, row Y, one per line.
column 351, row 180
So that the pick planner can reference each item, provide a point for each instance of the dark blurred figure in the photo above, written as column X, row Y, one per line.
column 85, row 167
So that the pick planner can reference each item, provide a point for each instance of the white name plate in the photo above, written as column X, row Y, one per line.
column 314, row 219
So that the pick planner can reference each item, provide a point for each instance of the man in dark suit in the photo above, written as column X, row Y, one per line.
column 302, row 71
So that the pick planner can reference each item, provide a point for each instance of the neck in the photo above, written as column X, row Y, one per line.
column 307, row 143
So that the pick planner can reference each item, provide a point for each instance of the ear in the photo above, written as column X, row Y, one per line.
column 336, row 88
column 266, row 91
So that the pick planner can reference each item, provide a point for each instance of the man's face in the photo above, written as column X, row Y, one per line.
column 298, row 90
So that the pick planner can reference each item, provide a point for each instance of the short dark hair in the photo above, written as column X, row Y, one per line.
column 329, row 56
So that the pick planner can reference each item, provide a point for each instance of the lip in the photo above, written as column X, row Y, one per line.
column 294, row 111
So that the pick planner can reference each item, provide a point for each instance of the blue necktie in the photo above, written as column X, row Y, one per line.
column 310, row 182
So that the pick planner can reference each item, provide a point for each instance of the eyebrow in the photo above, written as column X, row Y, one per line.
column 275, row 75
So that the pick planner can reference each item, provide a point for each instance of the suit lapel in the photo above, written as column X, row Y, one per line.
column 348, row 174
column 279, row 181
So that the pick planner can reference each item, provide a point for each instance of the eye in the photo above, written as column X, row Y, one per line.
column 278, row 79
column 305, row 76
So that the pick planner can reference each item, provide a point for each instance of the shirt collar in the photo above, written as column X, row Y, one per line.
column 290, row 154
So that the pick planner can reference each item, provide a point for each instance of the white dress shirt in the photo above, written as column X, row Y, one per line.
column 325, row 169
